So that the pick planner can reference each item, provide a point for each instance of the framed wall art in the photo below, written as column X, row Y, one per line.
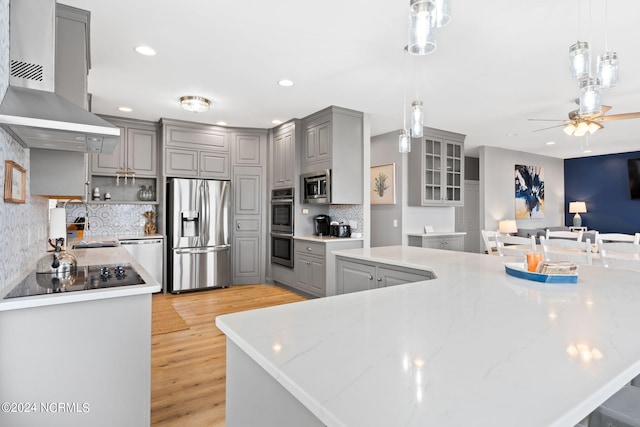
column 15, row 182
column 383, row 184
column 529, row 186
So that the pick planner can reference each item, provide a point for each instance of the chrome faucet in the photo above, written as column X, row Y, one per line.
column 86, row 211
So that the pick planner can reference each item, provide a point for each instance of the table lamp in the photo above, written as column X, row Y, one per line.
column 577, row 208
column 507, row 226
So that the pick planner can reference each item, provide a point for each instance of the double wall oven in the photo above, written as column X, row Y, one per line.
column 282, row 218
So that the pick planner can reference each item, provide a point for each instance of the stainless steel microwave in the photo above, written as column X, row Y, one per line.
column 316, row 187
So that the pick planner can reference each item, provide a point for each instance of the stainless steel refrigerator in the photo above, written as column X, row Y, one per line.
column 198, row 234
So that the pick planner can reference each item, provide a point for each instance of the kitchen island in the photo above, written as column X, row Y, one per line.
column 78, row 358
column 473, row 346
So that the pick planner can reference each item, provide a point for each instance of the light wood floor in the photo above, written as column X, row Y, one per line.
column 188, row 367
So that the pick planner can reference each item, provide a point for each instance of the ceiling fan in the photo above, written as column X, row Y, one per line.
column 579, row 125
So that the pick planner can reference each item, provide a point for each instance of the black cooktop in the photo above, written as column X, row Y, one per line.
column 85, row 278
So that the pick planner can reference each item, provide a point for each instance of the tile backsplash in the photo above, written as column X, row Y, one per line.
column 349, row 214
column 111, row 219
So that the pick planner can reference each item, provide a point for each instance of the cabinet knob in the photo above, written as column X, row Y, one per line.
column 370, row 277
column 379, row 279
column 308, row 248
column 238, row 226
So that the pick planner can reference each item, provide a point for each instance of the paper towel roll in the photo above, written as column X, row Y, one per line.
column 57, row 224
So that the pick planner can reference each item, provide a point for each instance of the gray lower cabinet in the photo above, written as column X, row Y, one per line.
column 448, row 242
column 310, row 273
column 355, row 276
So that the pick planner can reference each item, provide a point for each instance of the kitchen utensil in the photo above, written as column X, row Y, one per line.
column 321, row 225
column 58, row 263
column 341, row 230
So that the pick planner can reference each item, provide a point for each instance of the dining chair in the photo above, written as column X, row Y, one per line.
column 567, row 235
column 567, row 250
column 489, row 238
column 515, row 245
column 624, row 255
column 620, row 237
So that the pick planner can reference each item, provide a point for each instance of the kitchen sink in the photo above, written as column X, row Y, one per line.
column 96, row 244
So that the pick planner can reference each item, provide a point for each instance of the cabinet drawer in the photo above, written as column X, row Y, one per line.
column 307, row 248
column 180, row 162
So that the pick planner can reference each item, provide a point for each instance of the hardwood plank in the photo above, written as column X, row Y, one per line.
column 188, row 368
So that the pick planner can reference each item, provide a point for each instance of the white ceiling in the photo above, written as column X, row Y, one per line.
column 497, row 64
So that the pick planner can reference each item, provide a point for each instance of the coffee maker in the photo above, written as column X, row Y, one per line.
column 321, row 225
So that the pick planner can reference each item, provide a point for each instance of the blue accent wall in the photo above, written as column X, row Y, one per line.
column 603, row 183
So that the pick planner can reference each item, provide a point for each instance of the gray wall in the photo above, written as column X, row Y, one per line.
column 384, row 150
column 497, row 189
column 23, row 227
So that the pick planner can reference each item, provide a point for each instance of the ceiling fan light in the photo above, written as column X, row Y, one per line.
column 580, row 60
column 569, row 129
column 608, row 69
column 593, row 127
column 404, row 142
column 590, row 99
column 195, row 104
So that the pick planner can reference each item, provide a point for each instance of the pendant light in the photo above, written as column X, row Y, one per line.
column 442, row 13
column 607, row 63
column 422, row 37
column 404, row 139
column 404, row 142
column 590, row 99
column 417, row 119
column 580, row 57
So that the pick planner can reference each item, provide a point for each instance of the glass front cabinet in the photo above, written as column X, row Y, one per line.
column 436, row 169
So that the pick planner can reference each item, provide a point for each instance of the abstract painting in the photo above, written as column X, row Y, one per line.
column 383, row 178
column 529, row 181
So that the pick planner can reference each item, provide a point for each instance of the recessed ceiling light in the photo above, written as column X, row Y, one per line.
column 145, row 50
column 551, row 143
column 125, row 109
column 195, row 104
column 276, row 122
column 285, row 83
column 221, row 123
column 587, row 151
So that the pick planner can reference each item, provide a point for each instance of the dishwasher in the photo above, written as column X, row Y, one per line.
column 149, row 253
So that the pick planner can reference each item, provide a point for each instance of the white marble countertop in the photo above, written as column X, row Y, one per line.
column 438, row 234
column 471, row 347
column 326, row 239
column 94, row 256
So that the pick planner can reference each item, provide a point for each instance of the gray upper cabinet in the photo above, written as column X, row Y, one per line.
column 72, row 59
column 333, row 139
column 436, row 170
column 283, row 163
column 247, row 146
column 198, row 150
column 136, row 152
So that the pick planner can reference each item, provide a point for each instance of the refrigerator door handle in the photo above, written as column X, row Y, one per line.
column 218, row 248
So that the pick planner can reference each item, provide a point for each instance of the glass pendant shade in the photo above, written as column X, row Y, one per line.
column 404, row 142
column 608, row 69
column 442, row 12
column 580, row 57
column 590, row 99
column 417, row 119
column 422, row 38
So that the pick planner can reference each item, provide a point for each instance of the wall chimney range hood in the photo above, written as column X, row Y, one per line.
column 31, row 111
